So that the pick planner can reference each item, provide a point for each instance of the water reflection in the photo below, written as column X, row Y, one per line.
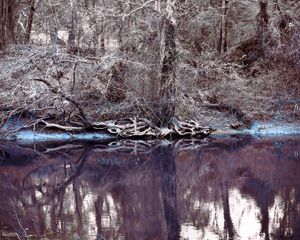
column 240, row 188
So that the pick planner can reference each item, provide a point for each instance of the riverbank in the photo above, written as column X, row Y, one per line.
column 49, row 83
column 258, row 129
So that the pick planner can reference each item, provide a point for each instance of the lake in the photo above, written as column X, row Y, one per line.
column 240, row 187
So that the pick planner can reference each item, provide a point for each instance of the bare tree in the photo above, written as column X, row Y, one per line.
column 168, row 54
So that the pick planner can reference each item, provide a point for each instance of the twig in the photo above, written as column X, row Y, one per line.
column 136, row 9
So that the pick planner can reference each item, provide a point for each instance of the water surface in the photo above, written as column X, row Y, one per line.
column 234, row 188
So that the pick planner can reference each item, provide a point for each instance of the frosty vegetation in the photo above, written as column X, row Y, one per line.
column 225, row 62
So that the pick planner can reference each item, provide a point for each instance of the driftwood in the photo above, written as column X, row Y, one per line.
column 137, row 127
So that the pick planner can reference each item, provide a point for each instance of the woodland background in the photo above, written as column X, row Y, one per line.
column 216, row 61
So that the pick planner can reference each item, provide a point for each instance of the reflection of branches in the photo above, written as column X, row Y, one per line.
column 81, row 161
column 60, row 187
column 39, row 187
column 41, row 218
column 98, row 212
column 135, row 147
column 289, row 222
column 78, row 204
column 263, row 194
column 128, row 146
column 18, row 221
column 63, row 148
column 228, row 225
column 169, row 191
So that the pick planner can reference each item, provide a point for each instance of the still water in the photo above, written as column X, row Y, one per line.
column 234, row 188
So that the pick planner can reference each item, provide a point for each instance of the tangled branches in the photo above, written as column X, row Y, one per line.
column 137, row 128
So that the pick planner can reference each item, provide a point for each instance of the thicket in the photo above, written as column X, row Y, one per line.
column 224, row 60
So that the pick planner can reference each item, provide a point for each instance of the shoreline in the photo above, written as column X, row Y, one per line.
column 258, row 129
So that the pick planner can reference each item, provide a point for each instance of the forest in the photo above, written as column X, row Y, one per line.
column 77, row 65
column 106, row 107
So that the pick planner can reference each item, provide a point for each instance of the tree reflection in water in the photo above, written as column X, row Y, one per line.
column 218, row 189
column 166, row 158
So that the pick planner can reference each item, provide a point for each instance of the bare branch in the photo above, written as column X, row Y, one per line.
column 137, row 9
column 57, row 91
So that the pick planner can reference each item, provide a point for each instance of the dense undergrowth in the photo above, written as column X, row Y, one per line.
column 210, row 90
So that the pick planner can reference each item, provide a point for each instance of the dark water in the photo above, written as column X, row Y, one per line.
column 238, row 188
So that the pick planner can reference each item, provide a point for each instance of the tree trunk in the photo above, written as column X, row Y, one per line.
column 53, row 25
column 102, row 32
column 220, row 38
column 168, row 54
column 71, row 37
column 2, row 24
column 29, row 21
column 7, row 22
column 120, row 30
column 262, row 19
column 102, row 38
column 96, row 28
column 225, row 39
column 222, row 43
